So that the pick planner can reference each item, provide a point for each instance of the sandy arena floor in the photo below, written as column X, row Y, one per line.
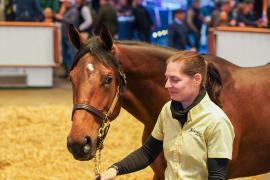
column 34, row 124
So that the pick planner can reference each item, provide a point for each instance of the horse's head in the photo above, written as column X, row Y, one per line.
column 97, row 81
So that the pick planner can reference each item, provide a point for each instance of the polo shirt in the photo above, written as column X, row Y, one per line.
column 208, row 133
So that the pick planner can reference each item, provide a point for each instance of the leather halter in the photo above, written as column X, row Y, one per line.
column 98, row 113
column 104, row 118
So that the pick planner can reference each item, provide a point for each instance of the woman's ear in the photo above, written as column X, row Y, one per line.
column 197, row 79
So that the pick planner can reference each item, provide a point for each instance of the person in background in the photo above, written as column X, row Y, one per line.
column 178, row 31
column 247, row 18
column 48, row 15
column 28, row 10
column 224, row 14
column 125, row 19
column 52, row 4
column 195, row 21
column 194, row 132
column 214, row 18
column 143, row 22
column 107, row 16
column 9, row 12
column 70, row 16
column 85, row 18
column 95, row 5
column 1, row 11
column 266, row 15
column 260, row 11
column 223, row 19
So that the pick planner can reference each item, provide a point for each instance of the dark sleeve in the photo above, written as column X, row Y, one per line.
column 171, row 35
column 149, row 17
column 217, row 168
column 140, row 158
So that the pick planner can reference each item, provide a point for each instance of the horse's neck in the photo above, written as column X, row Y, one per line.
column 136, row 58
column 144, row 67
column 225, row 68
column 230, row 72
column 143, row 62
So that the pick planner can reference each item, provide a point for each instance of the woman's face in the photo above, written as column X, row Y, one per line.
column 181, row 87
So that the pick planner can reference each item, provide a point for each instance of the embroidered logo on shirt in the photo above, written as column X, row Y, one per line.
column 196, row 132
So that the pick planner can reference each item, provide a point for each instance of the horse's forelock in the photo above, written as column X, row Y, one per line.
column 95, row 47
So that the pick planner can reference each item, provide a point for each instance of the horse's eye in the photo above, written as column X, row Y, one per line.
column 108, row 79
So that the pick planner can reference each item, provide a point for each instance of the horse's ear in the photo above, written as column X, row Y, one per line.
column 106, row 36
column 75, row 37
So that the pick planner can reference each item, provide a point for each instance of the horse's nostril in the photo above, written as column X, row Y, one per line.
column 87, row 145
column 87, row 141
column 86, row 149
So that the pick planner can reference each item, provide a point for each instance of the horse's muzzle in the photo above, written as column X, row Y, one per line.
column 80, row 150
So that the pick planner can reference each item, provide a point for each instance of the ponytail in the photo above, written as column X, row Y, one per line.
column 213, row 83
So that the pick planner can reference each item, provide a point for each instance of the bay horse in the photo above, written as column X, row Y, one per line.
column 100, row 89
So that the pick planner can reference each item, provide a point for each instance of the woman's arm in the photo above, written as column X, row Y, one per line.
column 137, row 160
column 217, row 168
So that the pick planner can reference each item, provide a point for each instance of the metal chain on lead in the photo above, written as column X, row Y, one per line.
column 105, row 126
column 97, row 163
column 101, row 136
column 103, row 130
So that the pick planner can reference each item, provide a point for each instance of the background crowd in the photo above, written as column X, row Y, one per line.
column 133, row 20
column 87, row 15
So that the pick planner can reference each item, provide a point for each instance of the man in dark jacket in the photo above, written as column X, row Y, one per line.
column 178, row 31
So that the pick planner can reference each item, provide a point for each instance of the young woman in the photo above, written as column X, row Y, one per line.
column 194, row 132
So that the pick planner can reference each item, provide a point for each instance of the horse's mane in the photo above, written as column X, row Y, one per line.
column 145, row 44
column 129, row 42
column 99, row 50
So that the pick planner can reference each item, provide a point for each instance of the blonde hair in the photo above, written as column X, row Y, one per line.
column 193, row 63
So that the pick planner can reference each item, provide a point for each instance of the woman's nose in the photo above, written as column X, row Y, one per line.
column 168, row 84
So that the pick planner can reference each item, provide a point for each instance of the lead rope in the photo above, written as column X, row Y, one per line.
column 101, row 136
column 105, row 128
column 97, row 161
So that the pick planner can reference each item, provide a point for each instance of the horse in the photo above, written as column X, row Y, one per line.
column 107, row 75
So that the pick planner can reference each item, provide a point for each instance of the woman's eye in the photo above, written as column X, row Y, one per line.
column 175, row 80
column 108, row 79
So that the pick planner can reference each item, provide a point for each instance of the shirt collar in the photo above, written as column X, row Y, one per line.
column 177, row 110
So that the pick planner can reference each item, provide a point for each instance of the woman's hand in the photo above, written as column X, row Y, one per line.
column 108, row 175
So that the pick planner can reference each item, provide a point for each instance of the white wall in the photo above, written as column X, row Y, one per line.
column 27, row 51
column 247, row 49
column 26, row 46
